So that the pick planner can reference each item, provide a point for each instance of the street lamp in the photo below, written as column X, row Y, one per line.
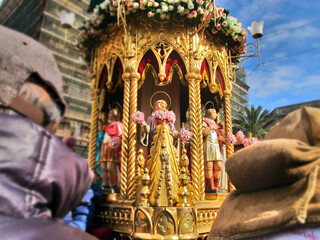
column 256, row 29
column 253, row 49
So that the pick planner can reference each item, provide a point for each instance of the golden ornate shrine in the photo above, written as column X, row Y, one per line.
column 131, row 61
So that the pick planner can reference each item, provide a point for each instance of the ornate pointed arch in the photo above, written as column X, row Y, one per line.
column 103, row 77
column 175, row 63
column 165, row 224
column 220, row 79
column 205, row 73
column 143, row 221
column 217, row 83
column 187, row 222
column 220, row 60
column 115, row 77
column 162, row 60
column 148, row 62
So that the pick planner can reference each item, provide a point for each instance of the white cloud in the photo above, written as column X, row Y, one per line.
column 294, row 33
column 250, row 10
column 265, row 83
column 286, row 82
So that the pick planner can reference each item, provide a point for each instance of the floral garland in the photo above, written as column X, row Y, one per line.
column 240, row 138
column 229, row 29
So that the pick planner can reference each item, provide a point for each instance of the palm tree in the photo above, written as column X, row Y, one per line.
column 255, row 121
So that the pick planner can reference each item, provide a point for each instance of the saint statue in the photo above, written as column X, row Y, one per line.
column 110, row 151
column 212, row 155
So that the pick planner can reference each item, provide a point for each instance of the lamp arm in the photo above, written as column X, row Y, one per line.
column 253, row 50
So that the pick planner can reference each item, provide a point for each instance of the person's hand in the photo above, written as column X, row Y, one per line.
column 143, row 123
column 221, row 138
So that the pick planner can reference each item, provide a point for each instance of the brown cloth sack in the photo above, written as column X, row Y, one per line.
column 277, row 181
column 271, row 163
column 302, row 124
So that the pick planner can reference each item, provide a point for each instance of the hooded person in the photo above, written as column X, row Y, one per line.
column 40, row 178
column 277, row 184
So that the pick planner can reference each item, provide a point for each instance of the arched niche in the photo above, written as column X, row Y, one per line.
column 142, row 222
column 205, row 73
column 148, row 63
column 212, row 88
column 114, row 86
column 187, row 222
column 103, row 77
column 172, row 84
column 165, row 224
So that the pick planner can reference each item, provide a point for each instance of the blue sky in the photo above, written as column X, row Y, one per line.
column 290, row 50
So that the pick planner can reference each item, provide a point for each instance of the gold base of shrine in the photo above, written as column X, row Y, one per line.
column 134, row 222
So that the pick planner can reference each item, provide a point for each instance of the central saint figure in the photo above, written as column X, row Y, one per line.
column 163, row 159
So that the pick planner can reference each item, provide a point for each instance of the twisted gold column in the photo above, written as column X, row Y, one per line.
column 125, row 136
column 228, row 124
column 93, row 131
column 228, row 120
column 94, row 115
column 195, row 127
column 131, row 188
column 200, row 139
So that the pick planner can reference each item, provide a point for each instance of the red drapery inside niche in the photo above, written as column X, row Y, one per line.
column 174, row 58
column 204, row 72
column 117, row 71
column 220, row 79
column 103, row 76
column 148, row 58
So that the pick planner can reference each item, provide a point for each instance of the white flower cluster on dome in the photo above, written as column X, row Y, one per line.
column 225, row 27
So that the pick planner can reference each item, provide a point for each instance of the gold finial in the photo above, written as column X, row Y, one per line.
column 184, row 199
column 145, row 192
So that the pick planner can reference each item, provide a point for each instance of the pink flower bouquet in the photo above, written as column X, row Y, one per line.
column 158, row 116
column 231, row 139
column 171, row 117
column 185, row 135
column 137, row 117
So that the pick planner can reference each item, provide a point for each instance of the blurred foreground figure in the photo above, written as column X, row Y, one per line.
column 40, row 178
column 277, row 182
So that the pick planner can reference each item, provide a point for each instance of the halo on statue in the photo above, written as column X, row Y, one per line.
column 160, row 92
column 117, row 106
column 205, row 106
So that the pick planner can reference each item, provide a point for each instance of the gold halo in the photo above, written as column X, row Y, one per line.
column 169, row 105
column 115, row 105
column 208, row 103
